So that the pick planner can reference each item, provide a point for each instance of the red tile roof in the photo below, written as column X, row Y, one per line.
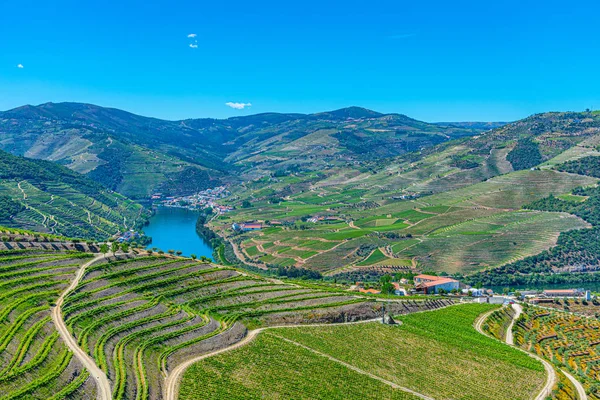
column 438, row 282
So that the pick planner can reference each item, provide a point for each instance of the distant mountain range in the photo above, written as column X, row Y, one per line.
column 137, row 155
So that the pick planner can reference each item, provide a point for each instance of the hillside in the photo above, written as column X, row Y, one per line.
column 457, row 207
column 137, row 156
column 384, row 192
column 138, row 319
column 46, row 197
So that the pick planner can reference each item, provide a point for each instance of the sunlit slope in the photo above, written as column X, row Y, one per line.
column 437, row 354
column 47, row 197
column 34, row 362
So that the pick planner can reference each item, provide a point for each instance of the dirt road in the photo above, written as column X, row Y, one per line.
column 578, row 386
column 173, row 379
column 509, row 334
column 102, row 383
column 550, row 372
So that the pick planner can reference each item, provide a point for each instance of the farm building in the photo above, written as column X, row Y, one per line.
column 419, row 279
column 429, row 286
column 399, row 290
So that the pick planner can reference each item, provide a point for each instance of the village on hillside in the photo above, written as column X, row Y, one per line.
column 204, row 199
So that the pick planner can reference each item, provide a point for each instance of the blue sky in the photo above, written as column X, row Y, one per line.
column 433, row 60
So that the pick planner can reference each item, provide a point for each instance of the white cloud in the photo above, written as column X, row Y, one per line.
column 193, row 46
column 403, row 36
column 192, row 35
column 238, row 106
column 20, row 66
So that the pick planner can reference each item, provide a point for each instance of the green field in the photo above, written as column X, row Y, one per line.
column 457, row 231
column 438, row 354
column 375, row 257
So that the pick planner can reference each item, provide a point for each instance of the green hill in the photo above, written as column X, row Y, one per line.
column 46, row 197
column 137, row 156
column 455, row 207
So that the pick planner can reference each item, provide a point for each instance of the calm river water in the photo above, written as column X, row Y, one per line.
column 175, row 229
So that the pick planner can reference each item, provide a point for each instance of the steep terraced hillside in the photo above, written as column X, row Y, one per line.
column 46, row 197
column 34, row 361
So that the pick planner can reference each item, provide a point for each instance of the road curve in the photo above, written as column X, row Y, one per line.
column 173, row 379
column 578, row 386
column 550, row 372
column 102, row 383
column 509, row 334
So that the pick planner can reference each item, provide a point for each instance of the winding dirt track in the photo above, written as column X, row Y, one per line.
column 174, row 378
column 578, row 386
column 103, row 385
column 550, row 372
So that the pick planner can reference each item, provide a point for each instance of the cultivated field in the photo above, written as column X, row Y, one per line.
column 458, row 231
column 34, row 362
column 437, row 354
column 569, row 341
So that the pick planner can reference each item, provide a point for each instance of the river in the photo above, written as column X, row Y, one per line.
column 175, row 229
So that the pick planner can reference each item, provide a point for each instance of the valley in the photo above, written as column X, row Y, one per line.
column 325, row 200
column 317, row 224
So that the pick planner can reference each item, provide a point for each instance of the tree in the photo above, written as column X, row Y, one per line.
column 387, row 288
column 204, row 259
column 178, row 252
column 104, row 248
column 246, row 204
column 125, row 248
column 193, row 256
column 114, row 247
column 170, row 251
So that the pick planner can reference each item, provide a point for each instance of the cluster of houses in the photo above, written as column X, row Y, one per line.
column 431, row 285
column 200, row 200
column 424, row 284
column 129, row 236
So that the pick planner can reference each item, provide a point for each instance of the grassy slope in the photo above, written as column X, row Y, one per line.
column 437, row 353
column 272, row 368
column 463, row 230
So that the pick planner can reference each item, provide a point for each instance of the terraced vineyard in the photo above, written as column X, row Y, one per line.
column 139, row 317
column 498, row 322
column 458, row 231
column 34, row 362
column 47, row 197
column 569, row 341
